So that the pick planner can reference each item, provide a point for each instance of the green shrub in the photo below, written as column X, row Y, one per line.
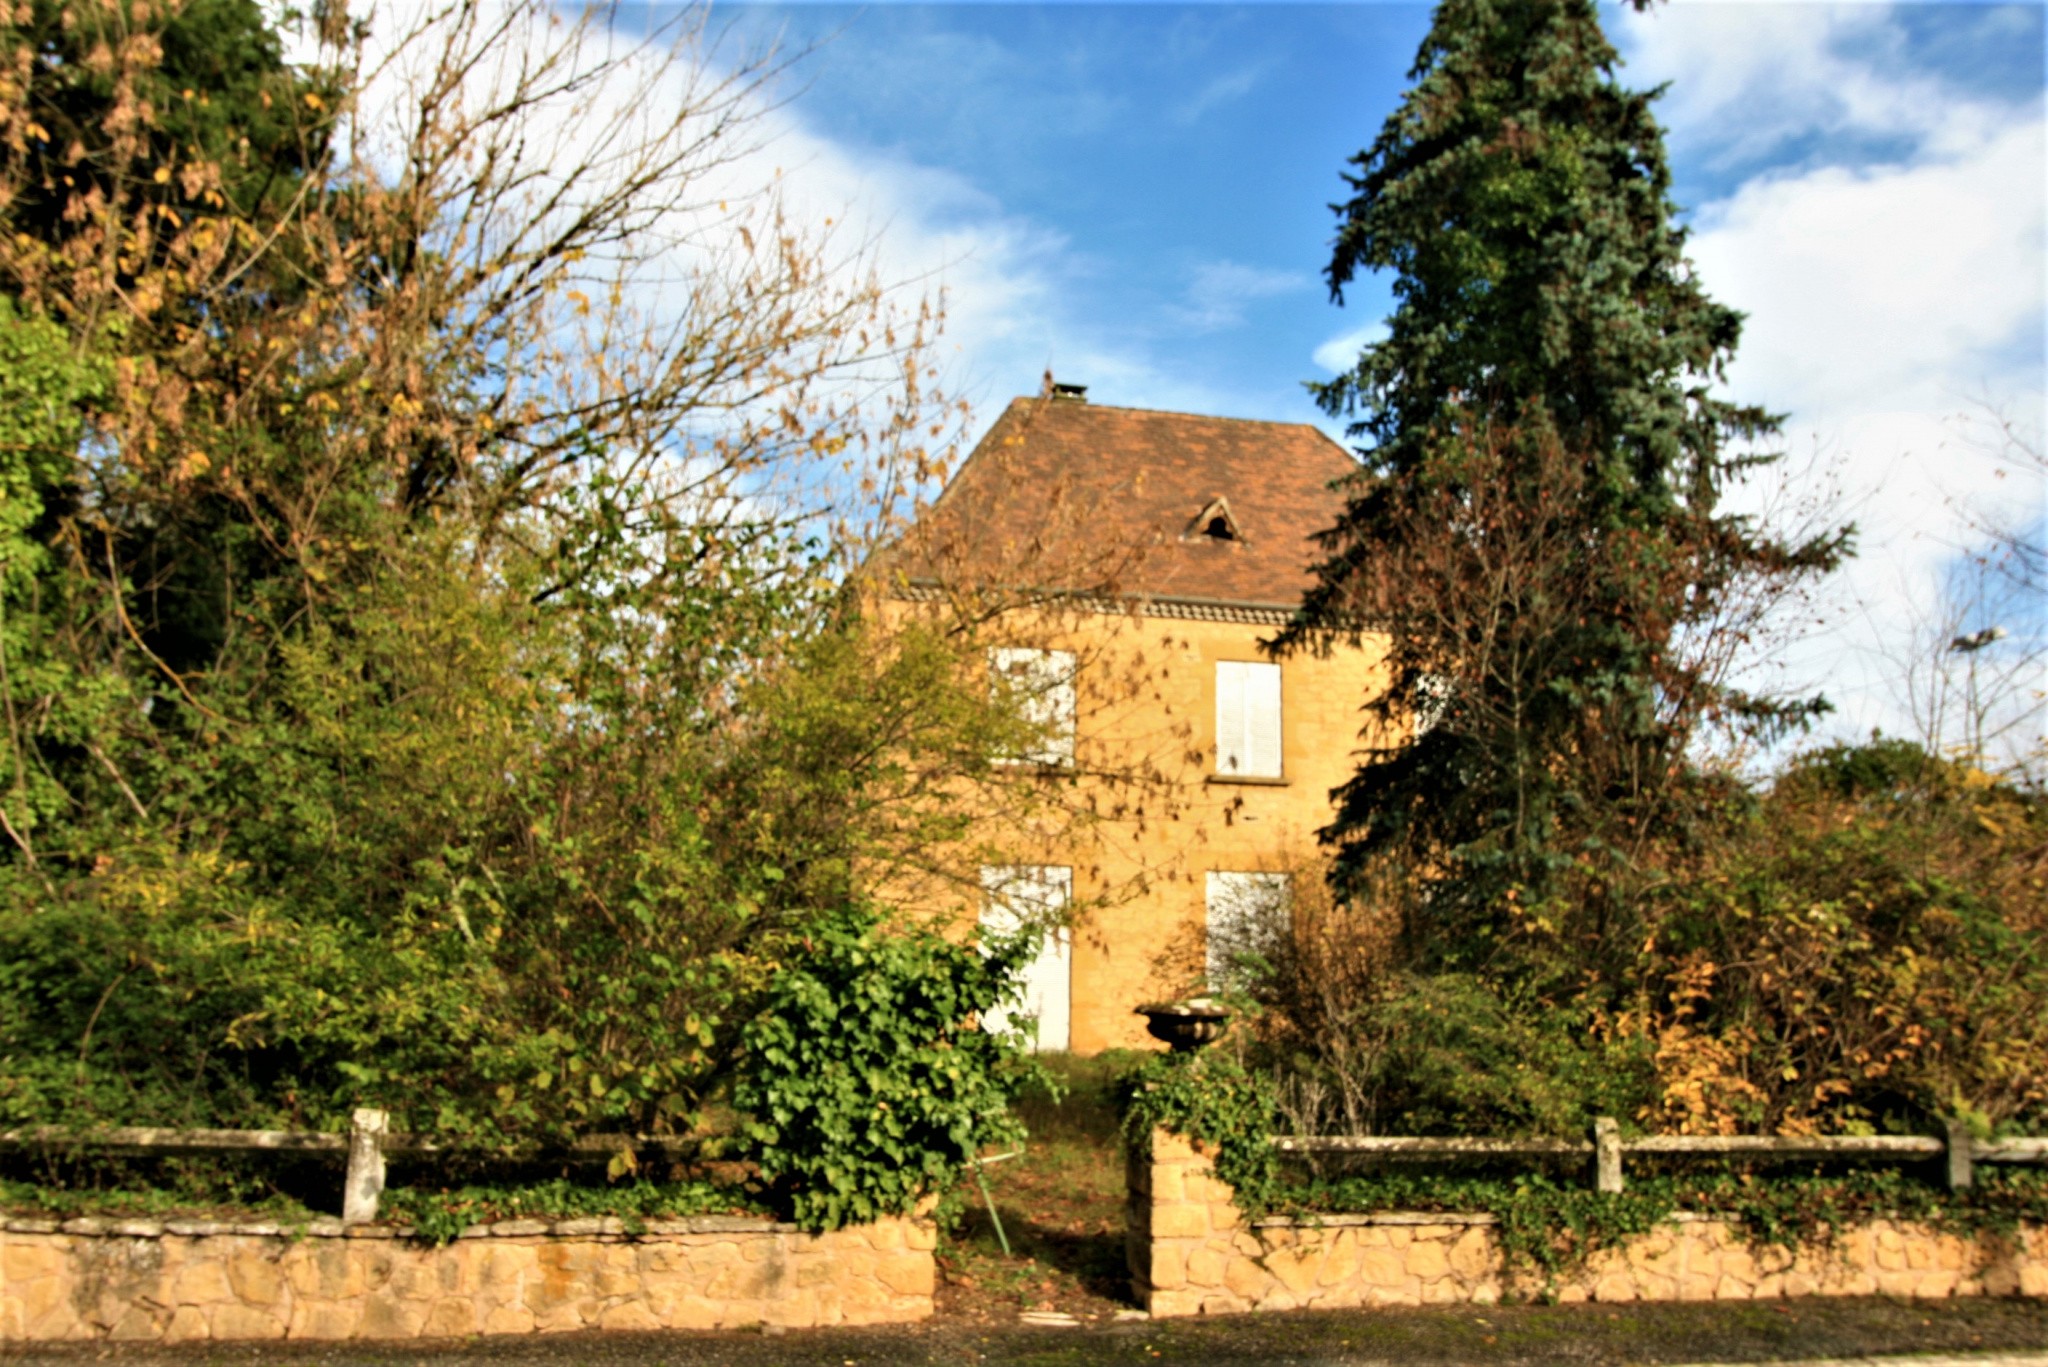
column 1860, row 947
column 867, row 1079
column 438, row 1216
column 1457, row 1054
column 1209, row 1096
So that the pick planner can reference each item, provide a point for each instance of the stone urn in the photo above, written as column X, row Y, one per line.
column 1185, row 1026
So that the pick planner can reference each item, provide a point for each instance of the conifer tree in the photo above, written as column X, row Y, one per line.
column 1535, row 524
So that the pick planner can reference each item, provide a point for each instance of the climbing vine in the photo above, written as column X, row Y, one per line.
column 1549, row 1225
column 1209, row 1097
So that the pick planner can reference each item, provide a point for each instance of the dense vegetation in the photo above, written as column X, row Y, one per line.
column 429, row 679
column 1860, row 948
column 1545, row 902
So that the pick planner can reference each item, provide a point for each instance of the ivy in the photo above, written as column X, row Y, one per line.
column 1210, row 1097
column 868, row 1081
column 211, row 1192
column 439, row 1216
column 1549, row 1228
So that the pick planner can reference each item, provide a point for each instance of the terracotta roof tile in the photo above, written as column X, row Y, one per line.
column 1074, row 495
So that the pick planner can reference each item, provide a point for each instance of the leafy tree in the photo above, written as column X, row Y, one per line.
column 429, row 677
column 1536, row 526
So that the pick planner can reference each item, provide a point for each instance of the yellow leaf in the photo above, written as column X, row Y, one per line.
column 163, row 175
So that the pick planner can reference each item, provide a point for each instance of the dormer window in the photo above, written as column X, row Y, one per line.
column 1214, row 523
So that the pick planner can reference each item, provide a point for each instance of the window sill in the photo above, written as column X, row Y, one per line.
column 1035, row 766
column 1251, row 780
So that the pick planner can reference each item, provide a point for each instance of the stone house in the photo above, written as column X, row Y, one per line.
column 1138, row 559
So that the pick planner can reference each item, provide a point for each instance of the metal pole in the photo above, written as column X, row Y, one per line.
column 993, row 1218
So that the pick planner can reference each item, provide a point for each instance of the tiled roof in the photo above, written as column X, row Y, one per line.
column 1069, row 495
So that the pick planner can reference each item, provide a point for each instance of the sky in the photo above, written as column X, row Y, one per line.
column 1137, row 197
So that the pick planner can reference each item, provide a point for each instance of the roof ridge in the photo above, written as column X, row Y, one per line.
column 1164, row 412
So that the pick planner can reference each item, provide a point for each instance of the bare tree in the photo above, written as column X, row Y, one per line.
column 1972, row 669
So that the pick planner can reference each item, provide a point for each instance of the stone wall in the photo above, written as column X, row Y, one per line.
column 1193, row 1252
column 185, row 1280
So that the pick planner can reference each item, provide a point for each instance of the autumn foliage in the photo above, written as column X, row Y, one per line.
column 432, row 469
column 1858, row 948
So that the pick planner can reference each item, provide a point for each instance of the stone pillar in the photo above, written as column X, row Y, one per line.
column 365, row 1182
column 1962, row 1154
column 1607, row 1176
column 1190, row 1249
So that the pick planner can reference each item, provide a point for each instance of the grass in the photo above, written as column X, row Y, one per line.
column 1061, row 1202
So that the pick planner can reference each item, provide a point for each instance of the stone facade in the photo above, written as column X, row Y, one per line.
column 1147, row 704
column 1193, row 1252
column 1141, row 948
column 183, row 1280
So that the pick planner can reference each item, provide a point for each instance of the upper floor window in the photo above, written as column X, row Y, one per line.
column 1247, row 719
column 1041, row 683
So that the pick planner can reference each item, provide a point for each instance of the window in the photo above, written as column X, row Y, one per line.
column 1042, row 1001
column 1243, row 919
column 1247, row 719
column 1432, row 700
column 1042, row 682
column 1215, row 521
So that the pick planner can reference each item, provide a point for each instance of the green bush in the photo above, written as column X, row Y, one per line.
column 1458, row 1054
column 399, row 704
column 1864, row 950
column 1211, row 1097
column 868, row 1083
column 1859, row 947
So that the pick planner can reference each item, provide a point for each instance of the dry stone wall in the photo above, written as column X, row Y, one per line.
column 180, row 1281
column 1193, row 1252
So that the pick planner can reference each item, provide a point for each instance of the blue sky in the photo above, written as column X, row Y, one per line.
column 1173, row 165
column 1136, row 195
column 1159, row 174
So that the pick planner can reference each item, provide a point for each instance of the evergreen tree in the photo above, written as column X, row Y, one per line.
column 1535, row 522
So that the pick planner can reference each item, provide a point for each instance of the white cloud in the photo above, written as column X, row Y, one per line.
column 1340, row 353
column 1220, row 291
column 1887, row 286
column 1754, row 80
column 1231, row 85
column 1888, row 248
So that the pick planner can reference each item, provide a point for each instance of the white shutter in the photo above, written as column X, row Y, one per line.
column 1230, row 709
column 1056, row 707
column 1044, row 683
column 1248, row 718
column 1262, row 720
column 1042, row 999
column 1243, row 911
